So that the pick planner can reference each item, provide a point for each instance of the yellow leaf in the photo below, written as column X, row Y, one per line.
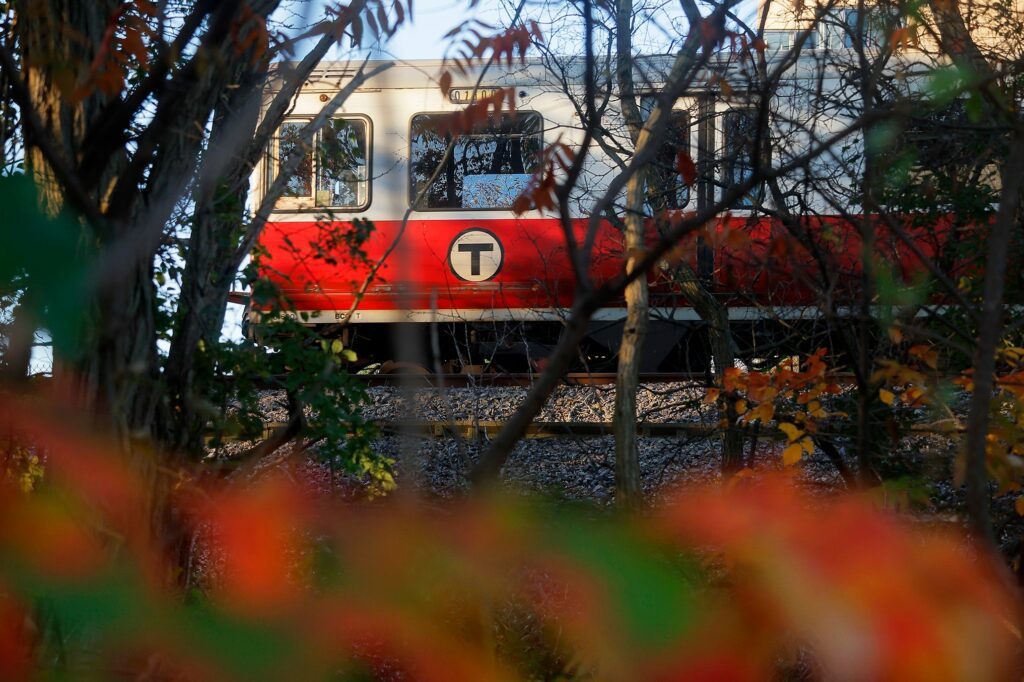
column 895, row 335
column 791, row 431
column 336, row 346
column 711, row 395
column 808, row 445
column 792, row 454
column 886, row 396
column 764, row 412
column 814, row 409
column 741, row 406
column 1018, row 504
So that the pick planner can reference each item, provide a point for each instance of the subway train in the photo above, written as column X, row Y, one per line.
column 397, row 231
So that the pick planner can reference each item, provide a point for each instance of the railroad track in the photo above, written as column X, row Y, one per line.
column 481, row 429
column 421, row 379
column 472, row 429
column 519, row 379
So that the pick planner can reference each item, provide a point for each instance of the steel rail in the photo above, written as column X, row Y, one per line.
column 472, row 429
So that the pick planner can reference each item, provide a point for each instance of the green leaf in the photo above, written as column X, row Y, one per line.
column 945, row 84
column 880, row 137
column 46, row 259
column 653, row 597
column 974, row 106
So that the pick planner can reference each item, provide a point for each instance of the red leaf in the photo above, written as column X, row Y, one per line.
column 686, row 168
column 357, row 31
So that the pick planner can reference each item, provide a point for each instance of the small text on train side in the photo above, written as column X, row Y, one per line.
column 467, row 95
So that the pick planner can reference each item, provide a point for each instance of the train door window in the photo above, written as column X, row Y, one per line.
column 668, row 189
column 334, row 173
column 739, row 128
column 486, row 169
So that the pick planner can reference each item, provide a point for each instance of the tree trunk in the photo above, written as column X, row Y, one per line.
column 210, row 267
column 707, row 306
column 957, row 42
column 989, row 334
column 628, row 483
column 723, row 351
column 48, row 62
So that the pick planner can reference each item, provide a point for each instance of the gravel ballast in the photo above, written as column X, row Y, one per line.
column 568, row 467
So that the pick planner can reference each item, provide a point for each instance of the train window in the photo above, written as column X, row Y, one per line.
column 334, row 173
column 487, row 168
column 784, row 41
column 740, row 133
column 847, row 28
column 300, row 184
column 938, row 151
column 668, row 190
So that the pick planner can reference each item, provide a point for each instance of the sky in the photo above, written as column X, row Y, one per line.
column 422, row 38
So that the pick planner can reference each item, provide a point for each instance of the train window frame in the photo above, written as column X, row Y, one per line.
column 783, row 41
column 307, row 204
column 411, row 185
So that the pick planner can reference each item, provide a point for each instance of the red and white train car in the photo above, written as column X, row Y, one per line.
column 460, row 256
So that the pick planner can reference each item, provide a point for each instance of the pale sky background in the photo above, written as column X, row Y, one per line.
column 432, row 19
column 423, row 38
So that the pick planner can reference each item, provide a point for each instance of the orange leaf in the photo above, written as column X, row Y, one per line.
column 925, row 354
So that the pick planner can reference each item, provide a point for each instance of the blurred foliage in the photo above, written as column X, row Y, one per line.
column 43, row 264
column 283, row 351
column 286, row 582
